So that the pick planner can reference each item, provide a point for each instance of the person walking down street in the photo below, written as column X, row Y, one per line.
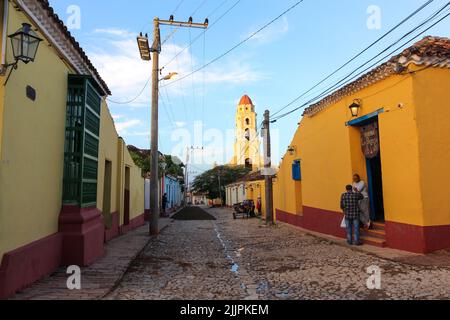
column 259, row 206
column 164, row 205
column 360, row 186
column 350, row 207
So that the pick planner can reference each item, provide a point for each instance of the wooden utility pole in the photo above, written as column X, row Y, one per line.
column 154, row 169
column 268, row 169
column 154, row 149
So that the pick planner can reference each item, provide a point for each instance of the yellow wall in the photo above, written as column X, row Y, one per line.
column 136, row 188
column 108, row 151
column 2, row 88
column 113, row 148
column 432, row 97
column 330, row 154
column 32, row 147
column 32, row 150
column 256, row 189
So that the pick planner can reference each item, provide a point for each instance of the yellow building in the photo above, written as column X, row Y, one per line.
column 398, row 141
column 247, row 143
column 64, row 171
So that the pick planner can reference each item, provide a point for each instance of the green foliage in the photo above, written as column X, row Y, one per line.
column 208, row 182
column 142, row 159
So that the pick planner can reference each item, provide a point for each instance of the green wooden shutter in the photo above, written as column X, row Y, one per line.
column 82, row 142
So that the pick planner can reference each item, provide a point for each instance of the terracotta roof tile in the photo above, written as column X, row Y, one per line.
column 51, row 13
column 430, row 51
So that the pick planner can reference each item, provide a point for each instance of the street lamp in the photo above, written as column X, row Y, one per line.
column 144, row 48
column 170, row 76
column 354, row 108
column 25, row 44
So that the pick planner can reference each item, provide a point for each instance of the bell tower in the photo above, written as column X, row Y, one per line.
column 247, row 143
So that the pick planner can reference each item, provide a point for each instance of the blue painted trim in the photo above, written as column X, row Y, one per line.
column 360, row 120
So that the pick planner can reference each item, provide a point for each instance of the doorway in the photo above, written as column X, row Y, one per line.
column 371, row 151
column 126, row 202
column 370, row 143
column 375, row 177
column 107, row 195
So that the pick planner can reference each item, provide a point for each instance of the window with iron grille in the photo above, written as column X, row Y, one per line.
column 82, row 142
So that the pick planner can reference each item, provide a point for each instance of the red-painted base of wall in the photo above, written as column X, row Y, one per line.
column 322, row 221
column 114, row 232
column 79, row 242
column 83, row 234
column 134, row 224
column 27, row 264
column 398, row 236
column 417, row 239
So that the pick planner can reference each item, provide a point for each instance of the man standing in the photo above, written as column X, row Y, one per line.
column 364, row 204
column 164, row 204
column 259, row 206
column 350, row 206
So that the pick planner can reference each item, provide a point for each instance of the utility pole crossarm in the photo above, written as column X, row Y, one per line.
column 184, row 24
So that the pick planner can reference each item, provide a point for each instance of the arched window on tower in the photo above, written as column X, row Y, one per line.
column 247, row 134
column 248, row 163
column 247, row 121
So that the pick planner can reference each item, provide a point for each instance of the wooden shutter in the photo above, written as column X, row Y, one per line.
column 82, row 142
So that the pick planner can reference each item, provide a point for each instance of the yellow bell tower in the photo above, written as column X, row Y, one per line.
column 247, row 144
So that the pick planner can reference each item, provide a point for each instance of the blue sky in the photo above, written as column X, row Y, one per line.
column 273, row 68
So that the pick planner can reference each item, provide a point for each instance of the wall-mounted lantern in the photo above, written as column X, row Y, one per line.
column 25, row 44
column 354, row 108
column 292, row 150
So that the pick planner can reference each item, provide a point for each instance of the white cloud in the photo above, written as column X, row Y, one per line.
column 122, row 127
column 125, row 73
column 115, row 32
column 180, row 124
column 272, row 33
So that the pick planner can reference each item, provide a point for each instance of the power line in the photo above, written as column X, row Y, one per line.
column 338, row 84
column 179, row 53
column 199, row 7
column 177, row 7
column 355, row 57
column 206, row 30
column 135, row 98
column 240, row 43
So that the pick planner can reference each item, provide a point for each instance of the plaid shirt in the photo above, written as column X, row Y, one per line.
column 350, row 205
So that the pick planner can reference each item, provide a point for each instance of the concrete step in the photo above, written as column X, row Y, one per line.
column 378, row 226
column 373, row 241
column 379, row 234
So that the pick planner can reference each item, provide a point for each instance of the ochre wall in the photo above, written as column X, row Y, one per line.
column 113, row 149
column 256, row 189
column 108, row 150
column 432, row 98
column 31, row 167
column 136, row 187
column 330, row 154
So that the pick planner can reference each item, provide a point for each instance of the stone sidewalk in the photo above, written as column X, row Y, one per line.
column 99, row 279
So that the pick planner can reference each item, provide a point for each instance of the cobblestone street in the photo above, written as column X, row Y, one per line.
column 242, row 259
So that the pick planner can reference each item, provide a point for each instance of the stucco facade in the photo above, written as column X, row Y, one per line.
column 38, row 231
column 410, row 108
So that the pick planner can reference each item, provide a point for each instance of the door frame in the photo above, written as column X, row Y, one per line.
column 359, row 122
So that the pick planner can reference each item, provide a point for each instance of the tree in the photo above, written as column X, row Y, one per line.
column 142, row 159
column 208, row 182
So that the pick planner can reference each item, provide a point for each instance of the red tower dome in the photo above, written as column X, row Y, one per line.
column 245, row 100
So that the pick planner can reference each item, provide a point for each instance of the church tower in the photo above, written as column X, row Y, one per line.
column 247, row 143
